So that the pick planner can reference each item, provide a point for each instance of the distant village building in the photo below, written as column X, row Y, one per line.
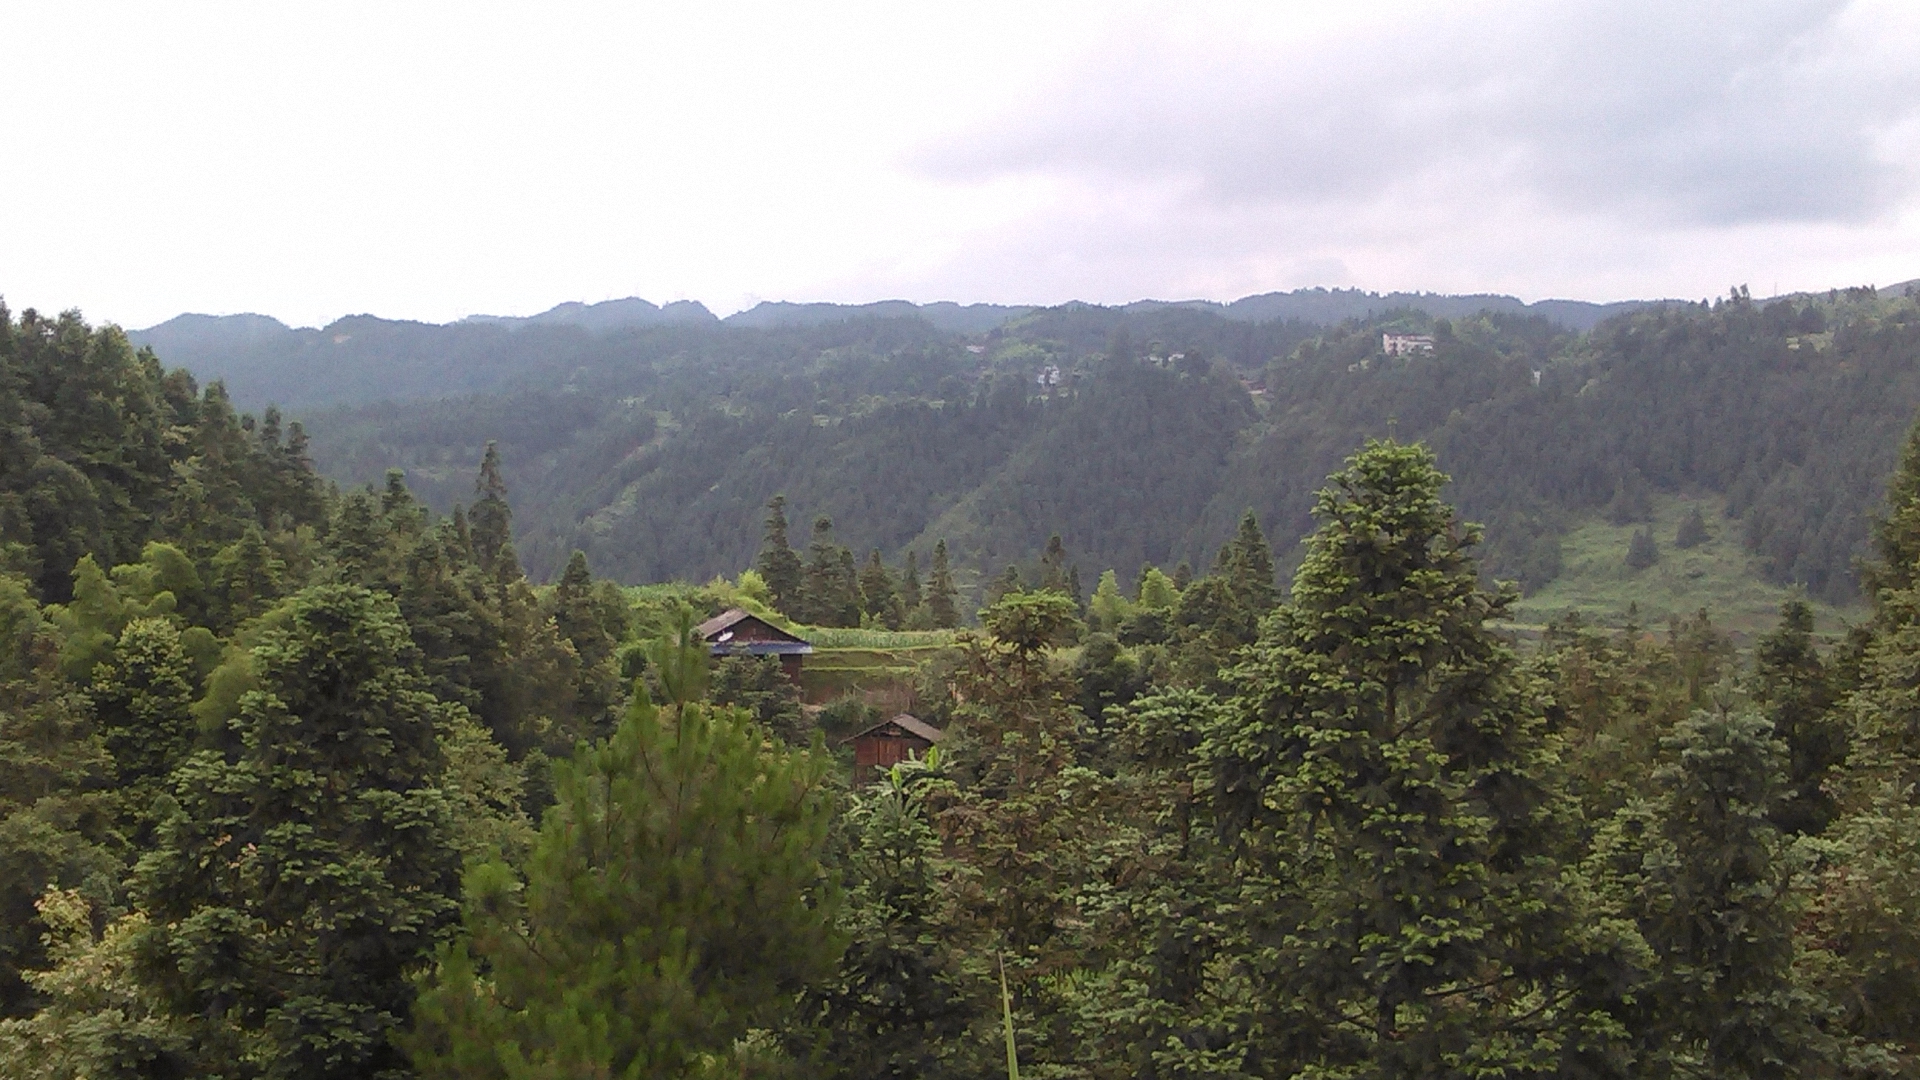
column 1402, row 344
column 1048, row 376
column 737, row 632
column 889, row 743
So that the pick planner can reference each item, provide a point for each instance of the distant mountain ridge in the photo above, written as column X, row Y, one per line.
column 367, row 358
column 1315, row 305
column 607, row 315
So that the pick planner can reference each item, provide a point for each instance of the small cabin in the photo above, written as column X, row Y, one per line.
column 889, row 743
column 737, row 632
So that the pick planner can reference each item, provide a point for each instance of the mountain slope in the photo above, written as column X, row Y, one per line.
column 1139, row 435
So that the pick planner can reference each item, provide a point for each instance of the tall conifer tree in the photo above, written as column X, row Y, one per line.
column 778, row 564
column 309, row 869
column 910, row 582
column 1386, row 781
column 878, row 598
column 490, row 519
column 942, row 597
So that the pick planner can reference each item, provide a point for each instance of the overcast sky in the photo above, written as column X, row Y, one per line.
column 429, row 161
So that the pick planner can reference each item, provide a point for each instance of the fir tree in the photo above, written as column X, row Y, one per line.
column 828, row 591
column 878, row 600
column 902, row 1005
column 1053, row 566
column 761, row 686
column 1642, row 551
column 578, row 616
column 1247, row 564
column 942, row 597
column 1007, row 584
column 1793, row 686
column 1896, row 536
column 490, row 519
column 1156, row 591
column 1719, row 913
column 323, row 809
column 143, row 699
column 1692, row 531
column 847, row 589
column 593, row 623
column 1385, row 780
column 778, row 564
column 1108, row 608
column 910, row 597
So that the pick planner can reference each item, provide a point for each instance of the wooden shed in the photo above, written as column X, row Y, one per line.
column 737, row 632
column 888, row 743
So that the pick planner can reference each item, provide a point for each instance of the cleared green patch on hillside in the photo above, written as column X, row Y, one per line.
column 848, row 661
column 1719, row 575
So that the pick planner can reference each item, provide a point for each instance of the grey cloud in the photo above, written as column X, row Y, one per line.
column 1703, row 114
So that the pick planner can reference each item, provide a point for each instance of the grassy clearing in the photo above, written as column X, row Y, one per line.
column 1719, row 575
column 841, row 637
column 865, row 660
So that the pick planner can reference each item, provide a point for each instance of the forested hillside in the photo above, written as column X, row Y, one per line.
column 310, row 784
column 1139, row 436
column 362, row 359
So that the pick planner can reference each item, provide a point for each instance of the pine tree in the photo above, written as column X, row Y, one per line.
column 323, row 809
column 1182, row 576
column 778, row 564
column 942, row 597
column 1385, row 781
column 674, row 900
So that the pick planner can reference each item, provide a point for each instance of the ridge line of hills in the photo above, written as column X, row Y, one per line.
column 1316, row 305
column 1140, row 433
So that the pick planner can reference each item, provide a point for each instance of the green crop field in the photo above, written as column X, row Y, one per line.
column 1718, row 575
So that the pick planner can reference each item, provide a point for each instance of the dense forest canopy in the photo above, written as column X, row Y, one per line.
column 306, row 783
column 1140, row 434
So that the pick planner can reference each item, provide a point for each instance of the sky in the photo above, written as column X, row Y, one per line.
column 429, row 161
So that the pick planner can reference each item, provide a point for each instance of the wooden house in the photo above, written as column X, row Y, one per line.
column 888, row 743
column 736, row 632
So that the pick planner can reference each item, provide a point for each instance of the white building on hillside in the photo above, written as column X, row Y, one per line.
column 1402, row 344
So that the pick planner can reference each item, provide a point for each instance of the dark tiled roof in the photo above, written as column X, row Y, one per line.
column 733, row 617
column 722, row 621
